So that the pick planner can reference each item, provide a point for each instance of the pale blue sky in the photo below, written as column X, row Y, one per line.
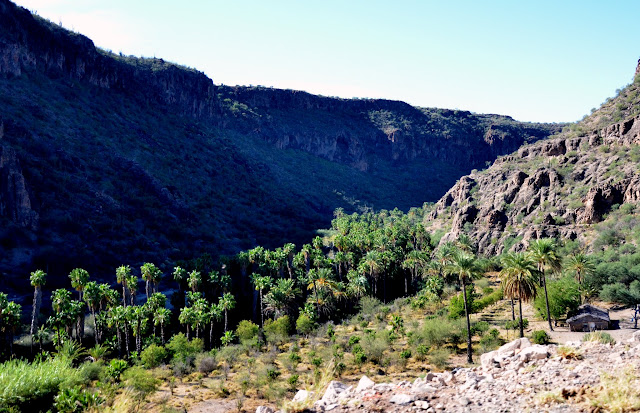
column 548, row 61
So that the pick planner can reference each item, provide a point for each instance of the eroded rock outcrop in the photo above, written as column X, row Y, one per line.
column 15, row 202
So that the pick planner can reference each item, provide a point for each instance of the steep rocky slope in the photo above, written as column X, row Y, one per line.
column 561, row 187
column 108, row 159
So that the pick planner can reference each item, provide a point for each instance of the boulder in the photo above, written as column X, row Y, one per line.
column 536, row 352
column 264, row 409
column 402, row 399
column 302, row 396
column 333, row 391
column 365, row 383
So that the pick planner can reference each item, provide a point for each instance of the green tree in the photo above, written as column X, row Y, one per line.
column 582, row 266
column 543, row 252
column 194, row 280
column 261, row 283
column 38, row 279
column 463, row 265
column 519, row 274
column 92, row 297
column 161, row 317
column 564, row 297
column 123, row 273
column 79, row 278
column 151, row 275
column 227, row 303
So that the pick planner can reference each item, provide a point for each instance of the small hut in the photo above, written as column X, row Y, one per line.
column 589, row 318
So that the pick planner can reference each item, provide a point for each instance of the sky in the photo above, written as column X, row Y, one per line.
column 542, row 61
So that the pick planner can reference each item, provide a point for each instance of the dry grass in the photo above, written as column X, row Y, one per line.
column 569, row 353
column 617, row 393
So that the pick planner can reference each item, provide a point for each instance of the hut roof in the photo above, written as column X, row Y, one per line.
column 590, row 310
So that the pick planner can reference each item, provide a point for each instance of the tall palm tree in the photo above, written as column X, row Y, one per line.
column 194, row 280
column 413, row 261
column 227, row 303
column 519, row 274
column 123, row 273
column 79, row 278
column 151, row 275
column 161, row 317
column 280, row 298
column 371, row 262
column 118, row 318
column 464, row 266
column 38, row 279
column 543, row 252
column 93, row 296
column 261, row 283
column 582, row 265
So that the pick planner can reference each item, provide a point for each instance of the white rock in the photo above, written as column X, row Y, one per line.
column 264, row 409
column 402, row 399
column 365, row 383
column 383, row 387
column 517, row 344
column 635, row 337
column 301, row 396
column 536, row 352
column 423, row 391
column 333, row 391
column 422, row 404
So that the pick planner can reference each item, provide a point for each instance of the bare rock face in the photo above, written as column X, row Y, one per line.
column 598, row 201
column 15, row 203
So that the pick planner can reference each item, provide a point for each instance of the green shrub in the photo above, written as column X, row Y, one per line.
column 115, row 369
column 353, row 340
column 304, row 324
column 182, row 349
column 456, row 304
column 277, row 331
column 405, row 354
column 34, row 384
column 247, row 331
column 479, row 328
column 90, row 371
column 437, row 332
column 140, row 380
column 153, row 356
column 599, row 337
column 540, row 337
column 273, row 373
column 374, row 347
column 439, row 358
column 564, row 297
column 421, row 352
column 75, row 400
column 205, row 363
column 292, row 381
column 359, row 357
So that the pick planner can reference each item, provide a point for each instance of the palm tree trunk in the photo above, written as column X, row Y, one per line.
column 162, row 332
column 124, row 296
column 466, row 314
column 34, row 313
column 546, row 299
column 521, row 321
column 146, row 287
column 261, row 311
column 211, row 334
column 126, row 338
column 225, row 320
column 513, row 311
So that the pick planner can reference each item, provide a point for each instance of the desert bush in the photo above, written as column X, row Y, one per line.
column 153, row 356
column 304, row 324
column 599, row 337
column 439, row 357
column 91, row 371
column 182, row 349
column 205, row 363
column 369, row 306
column 437, row 332
column 373, row 345
column 277, row 331
column 353, row 340
column 618, row 392
column 540, row 337
column 141, row 380
column 247, row 331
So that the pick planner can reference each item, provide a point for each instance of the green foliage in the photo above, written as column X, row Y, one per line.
column 437, row 332
column 619, row 293
column 153, row 356
column 25, row 384
column 564, row 297
column 440, row 357
column 115, row 369
column 247, row 331
column 277, row 331
column 456, row 304
column 182, row 349
column 76, row 400
column 540, row 337
column 141, row 380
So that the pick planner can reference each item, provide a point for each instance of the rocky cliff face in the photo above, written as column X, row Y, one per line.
column 554, row 188
column 110, row 159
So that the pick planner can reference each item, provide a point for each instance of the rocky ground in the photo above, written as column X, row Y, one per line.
column 518, row 377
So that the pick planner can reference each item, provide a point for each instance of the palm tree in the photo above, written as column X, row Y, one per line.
column 93, row 296
column 543, row 252
column 194, row 280
column 38, row 279
column 79, row 279
column 372, row 263
column 413, row 261
column 582, row 265
column 137, row 317
column 161, row 317
column 280, row 298
column 227, row 303
column 260, row 283
column 215, row 314
column 186, row 317
column 123, row 273
column 519, row 274
column 464, row 266
column 118, row 318
column 151, row 275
